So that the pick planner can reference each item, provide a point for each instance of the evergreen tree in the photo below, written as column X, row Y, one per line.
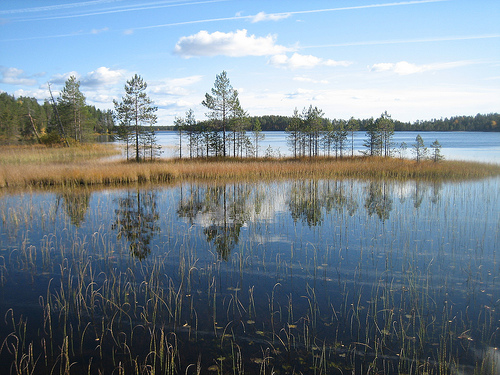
column 293, row 130
column 373, row 141
column 137, row 112
column 257, row 136
column 339, row 137
column 385, row 126
column 179, row 126
column 223, row 105
column 313, row 121
column 352, row 128
column 73, row 112
column 436, row 151
column 419, row 148
column 191, row 131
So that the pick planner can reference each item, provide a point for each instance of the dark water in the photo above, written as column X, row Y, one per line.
column 289, row 277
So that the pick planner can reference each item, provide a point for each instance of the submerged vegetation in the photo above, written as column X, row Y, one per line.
column 372, row 277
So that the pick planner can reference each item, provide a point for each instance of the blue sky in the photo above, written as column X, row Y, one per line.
column 416, row 60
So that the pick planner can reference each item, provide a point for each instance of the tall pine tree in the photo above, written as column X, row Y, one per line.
column 136, row 113
column 73, row 112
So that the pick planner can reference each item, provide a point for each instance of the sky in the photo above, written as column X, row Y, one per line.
column 417, row 60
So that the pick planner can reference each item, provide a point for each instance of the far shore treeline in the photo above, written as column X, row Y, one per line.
column 23, row 120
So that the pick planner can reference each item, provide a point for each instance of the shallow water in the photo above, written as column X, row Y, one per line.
column 298, row 276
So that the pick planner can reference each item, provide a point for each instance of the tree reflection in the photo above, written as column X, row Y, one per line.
column 336, row 199
column 309, row 200
column 304, row 203
column 378, row 200
column 222, row 210
column 76, row 204
column 136, row 220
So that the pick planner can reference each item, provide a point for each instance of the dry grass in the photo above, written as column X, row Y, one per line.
column 36, row 167
column 37, row 154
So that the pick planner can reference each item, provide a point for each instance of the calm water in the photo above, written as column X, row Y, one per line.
column 475, row 146
column 290, row 277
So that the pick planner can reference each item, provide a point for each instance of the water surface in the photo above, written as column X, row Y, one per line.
column 300, row 276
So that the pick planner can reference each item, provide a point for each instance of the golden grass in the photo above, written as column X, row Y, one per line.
column 38, row 154
column 69, row 167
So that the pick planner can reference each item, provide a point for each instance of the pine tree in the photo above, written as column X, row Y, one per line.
column 137, row 113
column 257, row 135
column 223, row 105
column 352, row 128
column 293, row 130
column 73, row 111
column 419, row 148
column 436, row 151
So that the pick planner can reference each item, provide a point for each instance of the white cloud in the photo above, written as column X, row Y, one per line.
column 406, row 68
column 39, row 94
column 14, row 76
column 234, row 44
column 103, row 76
column 176, row 86
column 298, row 61
column 309, row 80
column 179, row 104
column 98, row 31
column 60, row 79
column 262, row 16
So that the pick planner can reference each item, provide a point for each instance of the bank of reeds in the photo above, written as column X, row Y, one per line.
column 84, row 167
column 39, row 155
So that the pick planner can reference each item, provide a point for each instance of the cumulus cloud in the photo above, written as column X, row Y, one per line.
column 176, row 86
column 233, row 44
column 102, row 76
column 262, row 16
column 60, row 79
column 298, row 61
column 406, row 68
column 14, row 76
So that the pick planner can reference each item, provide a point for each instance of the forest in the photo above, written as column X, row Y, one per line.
column 24, row 120
column 67, row 118
column 480, row 122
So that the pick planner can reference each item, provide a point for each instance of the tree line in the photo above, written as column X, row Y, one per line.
column 66, row 118
column 480, row 122
column 228, row 130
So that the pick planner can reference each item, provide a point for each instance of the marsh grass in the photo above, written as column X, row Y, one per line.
column 85, row 166
column 39, row 155
column 102, row 312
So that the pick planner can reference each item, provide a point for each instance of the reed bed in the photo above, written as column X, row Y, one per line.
column 41, row 155
column 362, row 297
column 89, row 171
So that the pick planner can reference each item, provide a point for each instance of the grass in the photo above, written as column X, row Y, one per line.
column 42, row 155
column 376, row 305
column 91, row 165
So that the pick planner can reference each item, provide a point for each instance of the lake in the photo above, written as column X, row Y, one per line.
column 473, row 146
column 290, row 277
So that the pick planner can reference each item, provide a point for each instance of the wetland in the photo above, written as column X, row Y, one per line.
column 257, row 273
